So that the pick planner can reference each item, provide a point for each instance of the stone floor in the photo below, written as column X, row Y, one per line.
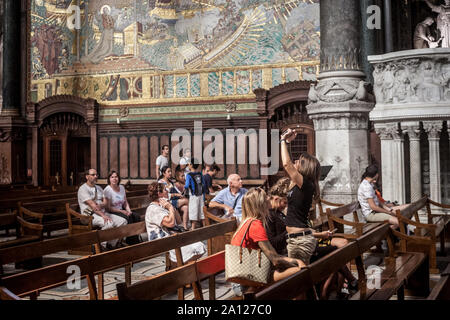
column 154, row 266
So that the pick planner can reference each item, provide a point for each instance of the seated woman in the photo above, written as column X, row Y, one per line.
column 176, row 198
column 255, row 207
column 161, row 216
column 371, row 207
column 116, row 203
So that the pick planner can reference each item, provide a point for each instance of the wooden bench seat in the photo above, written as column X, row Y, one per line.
column 408, row 266
column 441, row 291
column 160, row 285
column 425, row 234
column 394, row 277
column 30, row 282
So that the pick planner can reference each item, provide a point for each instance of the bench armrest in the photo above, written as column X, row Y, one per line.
column 437, row 204
column 28, row 228
column 25, row 212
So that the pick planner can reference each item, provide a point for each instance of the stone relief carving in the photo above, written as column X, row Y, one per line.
column 412, row 81
column 333, row 91
column 339, row 180
column 422, row 35
column 443, row 20
column 340, row 121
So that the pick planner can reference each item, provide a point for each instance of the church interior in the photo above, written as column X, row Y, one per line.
column 106, row 84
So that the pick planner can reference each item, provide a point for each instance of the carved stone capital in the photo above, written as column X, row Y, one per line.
column 386, row 131
column 335, row 90
column 340, row 121
column 433, row 129
column 412, row 129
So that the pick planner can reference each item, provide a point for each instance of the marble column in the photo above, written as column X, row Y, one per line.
column 11, row 58
column 339, row 104
column 413, row 131
column 433, row 129
column 399, row 167
column 386, row 133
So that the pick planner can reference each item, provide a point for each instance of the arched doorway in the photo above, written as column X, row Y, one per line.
column 65, row 144
column 285, row 107
column 64, row 139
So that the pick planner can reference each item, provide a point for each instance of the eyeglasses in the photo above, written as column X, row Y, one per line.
column 93, row 174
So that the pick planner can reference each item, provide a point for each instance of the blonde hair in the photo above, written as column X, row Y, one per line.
column 280, row 188
column 254, row 205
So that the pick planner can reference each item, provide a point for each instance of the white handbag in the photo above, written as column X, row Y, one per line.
column 249, row 267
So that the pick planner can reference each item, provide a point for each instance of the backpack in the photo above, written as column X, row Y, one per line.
column 198, row 184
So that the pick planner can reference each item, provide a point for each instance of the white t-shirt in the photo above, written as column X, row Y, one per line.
column 85, row 192
column 117, row 199
column 366, row 191
column 162, row 161
column 185, row 161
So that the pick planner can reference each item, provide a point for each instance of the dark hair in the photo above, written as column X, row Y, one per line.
column 214, row 167
column 195, row 163
column 163, row 170
column 371, row 171
column 109, row 176
column 153, row 190
column 178, row 169
column 165, row 145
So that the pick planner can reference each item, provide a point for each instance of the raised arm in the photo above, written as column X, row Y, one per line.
column 433, row 7
column 288, row 166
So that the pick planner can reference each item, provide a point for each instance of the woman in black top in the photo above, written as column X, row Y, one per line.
column 276, row 225
column 304, row 175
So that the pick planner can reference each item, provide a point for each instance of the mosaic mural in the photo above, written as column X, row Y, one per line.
column 169, row 35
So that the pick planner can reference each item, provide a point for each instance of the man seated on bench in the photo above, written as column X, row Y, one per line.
column 162, row 220
column 371, row 208
column 230, row 198
column 92, row 203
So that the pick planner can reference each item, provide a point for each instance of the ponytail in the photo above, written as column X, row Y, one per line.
column 371, row 171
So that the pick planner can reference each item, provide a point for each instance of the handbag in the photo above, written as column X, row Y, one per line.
column 249, row 267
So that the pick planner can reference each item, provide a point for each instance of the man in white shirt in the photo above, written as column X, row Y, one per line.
column 185, row 160
column 162, row 160
column 92, row 203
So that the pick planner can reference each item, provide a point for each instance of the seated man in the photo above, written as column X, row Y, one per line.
column 92, row 203
column 230, row 198
column 210, row 173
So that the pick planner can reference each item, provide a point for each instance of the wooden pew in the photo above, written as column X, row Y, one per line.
column 27, row 232
column 409, row 267
column 425, row 234
column 335, row 218
column 441, row 290
column 30, row 282
column 319, row 207
column 192, row 273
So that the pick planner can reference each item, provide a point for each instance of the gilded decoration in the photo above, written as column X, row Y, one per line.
column 120, row 52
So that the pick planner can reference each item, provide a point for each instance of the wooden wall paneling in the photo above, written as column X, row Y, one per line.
column 123, row 157
column 144, row 157
column 113, row 154
column 103, row 170
column 133, row 158
column 155, row 151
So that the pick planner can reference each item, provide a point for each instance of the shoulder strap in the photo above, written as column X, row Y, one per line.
column 246, row 231
column 236, row 200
